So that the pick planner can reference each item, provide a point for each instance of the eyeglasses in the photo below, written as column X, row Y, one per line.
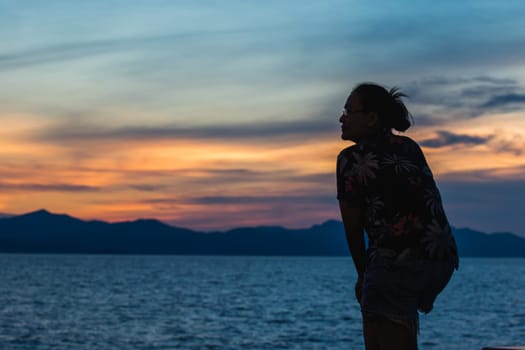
column 346, row 113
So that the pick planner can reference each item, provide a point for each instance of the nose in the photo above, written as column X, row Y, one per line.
column 341, row 118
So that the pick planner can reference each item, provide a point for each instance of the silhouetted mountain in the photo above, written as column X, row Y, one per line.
column 473, row 243
column 44, row 232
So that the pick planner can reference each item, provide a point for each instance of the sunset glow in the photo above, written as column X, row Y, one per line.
column 128, row 110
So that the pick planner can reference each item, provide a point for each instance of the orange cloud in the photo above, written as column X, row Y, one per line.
column 212, row 183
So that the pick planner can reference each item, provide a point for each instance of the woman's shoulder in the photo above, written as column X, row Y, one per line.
column 403, row 144
column 349, row 150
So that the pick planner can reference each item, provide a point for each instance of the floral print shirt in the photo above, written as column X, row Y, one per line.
column 389, row 179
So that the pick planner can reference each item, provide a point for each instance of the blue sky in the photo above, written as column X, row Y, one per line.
column 216, row 114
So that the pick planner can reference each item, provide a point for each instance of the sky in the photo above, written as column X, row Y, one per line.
column 211, row 115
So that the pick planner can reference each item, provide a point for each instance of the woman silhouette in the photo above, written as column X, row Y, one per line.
column 385, row 187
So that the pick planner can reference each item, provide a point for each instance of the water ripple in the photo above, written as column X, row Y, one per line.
column 168, row 302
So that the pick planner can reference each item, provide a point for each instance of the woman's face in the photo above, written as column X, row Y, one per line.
column 356, row 123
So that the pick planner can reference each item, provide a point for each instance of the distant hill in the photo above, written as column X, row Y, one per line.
column 44, row 232
column 474, row 243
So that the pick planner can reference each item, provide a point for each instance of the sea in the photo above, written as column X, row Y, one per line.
column 235, row 302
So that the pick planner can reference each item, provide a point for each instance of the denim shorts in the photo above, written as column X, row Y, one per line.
column 399, row 289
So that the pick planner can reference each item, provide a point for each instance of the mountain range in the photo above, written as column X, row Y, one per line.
column 45, row 232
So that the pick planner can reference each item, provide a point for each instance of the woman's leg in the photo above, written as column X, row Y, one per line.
column 380, row 333
column 371, row 332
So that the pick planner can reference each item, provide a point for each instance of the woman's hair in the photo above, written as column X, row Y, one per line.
column 391, row 110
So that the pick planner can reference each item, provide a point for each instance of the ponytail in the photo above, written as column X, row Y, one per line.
column 399, row 114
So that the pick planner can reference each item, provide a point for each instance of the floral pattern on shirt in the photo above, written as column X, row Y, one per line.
column 390, row 180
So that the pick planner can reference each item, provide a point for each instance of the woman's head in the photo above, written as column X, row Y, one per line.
column 371, row 108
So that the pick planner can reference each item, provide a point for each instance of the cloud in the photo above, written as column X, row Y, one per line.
column 234, row 184
column 509, row 143
column 179, row 180
column 263, row 199
column 442, row 99
column 69, row 51
column 217, row 212
column 402, row 41
column 445, row 138
column 458, row 91
column 80, row 132
column 499, row 143
column 505, row 100
column 494, row 175
column 58, row 53
column 146, row 187
column 36, row 187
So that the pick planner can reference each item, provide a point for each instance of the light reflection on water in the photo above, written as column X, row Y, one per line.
column 206, row 302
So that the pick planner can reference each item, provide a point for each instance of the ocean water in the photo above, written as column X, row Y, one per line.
column 231, row 302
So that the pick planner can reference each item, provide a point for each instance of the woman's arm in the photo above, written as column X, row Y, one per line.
column 354, row 231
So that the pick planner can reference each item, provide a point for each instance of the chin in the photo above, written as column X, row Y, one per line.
column 346, row 137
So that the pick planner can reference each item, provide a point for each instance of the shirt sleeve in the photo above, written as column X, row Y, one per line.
column 349, row 187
